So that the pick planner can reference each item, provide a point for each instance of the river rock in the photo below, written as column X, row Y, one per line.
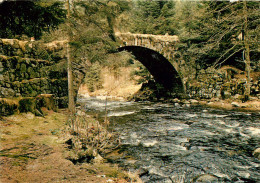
column 176, row 104
column 235, row 104
column 237, row 96
column 258, row 96
column 7, row 92
column 175, row 100
column 206, row 178
column 185, row 102
column 256, row 153
column 253, row 98
column 226, row 95
column 214, row 99
column 243, row 174
column 210, row 103
column 187, row 105
column 193, row 101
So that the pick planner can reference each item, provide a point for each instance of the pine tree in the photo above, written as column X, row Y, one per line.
column 29, row 18
column 219, row 35
column 153, row 17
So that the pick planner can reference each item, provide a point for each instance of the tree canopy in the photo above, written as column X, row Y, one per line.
column 30, row 18
column 153, row 17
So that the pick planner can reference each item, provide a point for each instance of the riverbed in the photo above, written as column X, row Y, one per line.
column 183, row 143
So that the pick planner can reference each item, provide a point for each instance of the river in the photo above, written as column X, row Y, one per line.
column 175, row 143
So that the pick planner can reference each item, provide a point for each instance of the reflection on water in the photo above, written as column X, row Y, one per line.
column 184, row 144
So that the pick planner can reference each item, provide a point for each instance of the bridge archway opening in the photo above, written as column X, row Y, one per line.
column 160, row 68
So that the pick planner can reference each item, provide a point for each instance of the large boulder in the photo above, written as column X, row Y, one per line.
column 256, row 153
column 206, row 178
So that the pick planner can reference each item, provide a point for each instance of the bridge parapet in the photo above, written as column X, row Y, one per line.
column 163, row 44
column 137, row 38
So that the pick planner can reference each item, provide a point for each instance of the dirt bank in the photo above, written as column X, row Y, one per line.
column 33, row 150
column 120, row 85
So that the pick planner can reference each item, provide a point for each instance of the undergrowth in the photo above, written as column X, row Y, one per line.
column 89, row 139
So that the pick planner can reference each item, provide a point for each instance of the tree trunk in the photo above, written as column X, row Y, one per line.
column 247, row 51
column 69, row 69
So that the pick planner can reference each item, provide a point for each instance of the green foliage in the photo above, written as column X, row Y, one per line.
column 29, row 18
column 153, row 17
column 93, row 23
column 91, row 31
column 23, row 67
column 221, row 27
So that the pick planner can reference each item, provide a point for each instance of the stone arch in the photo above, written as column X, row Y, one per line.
column 159, row 67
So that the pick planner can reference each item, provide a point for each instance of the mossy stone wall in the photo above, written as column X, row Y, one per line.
column 31, row 68
column 215, row 84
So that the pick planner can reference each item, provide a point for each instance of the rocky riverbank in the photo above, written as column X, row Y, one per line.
column 251, row 105
column 30, row 145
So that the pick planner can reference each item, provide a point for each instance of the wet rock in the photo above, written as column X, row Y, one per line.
column 175, row 100
column 176, row 104
column 258, row 96
column 186, row 105
column 7, row 92
column 235, row 104
column 226, row 94
column 142, row 172
column 256, row 153
column 214, row 99
column 192, row 101
column 243, row 174
column 206, row 178
column 237, row 96
column 185, row 102
column 114, row 156
column 1, row 77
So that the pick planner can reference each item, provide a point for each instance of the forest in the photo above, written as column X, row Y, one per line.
column 211, row 33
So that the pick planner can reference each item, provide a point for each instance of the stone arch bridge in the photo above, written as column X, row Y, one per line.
column 156, row 53
column 30, row 68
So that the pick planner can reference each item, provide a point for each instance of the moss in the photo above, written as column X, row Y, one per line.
column 18, row 66
column 33, row 93
column 31, row 72
column 27, row 105
column 23, row 67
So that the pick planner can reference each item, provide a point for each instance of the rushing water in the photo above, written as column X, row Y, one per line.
column 174, row 143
